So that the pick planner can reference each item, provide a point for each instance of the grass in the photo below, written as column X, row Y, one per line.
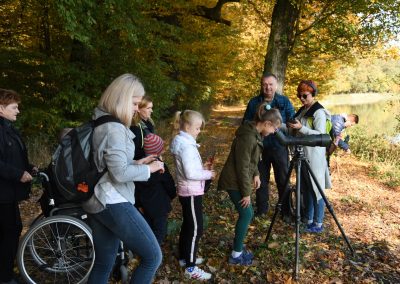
column 384, row 157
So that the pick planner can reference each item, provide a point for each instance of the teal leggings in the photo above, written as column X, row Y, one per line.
column 242, row 224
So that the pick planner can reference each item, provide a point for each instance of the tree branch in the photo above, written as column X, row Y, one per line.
column 214, row 13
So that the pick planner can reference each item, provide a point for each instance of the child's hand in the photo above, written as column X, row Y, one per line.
column 209, row 164
column 256, row 182
column 245, row 202
column 213, row 174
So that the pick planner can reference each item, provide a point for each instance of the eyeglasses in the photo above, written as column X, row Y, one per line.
column 304, row 96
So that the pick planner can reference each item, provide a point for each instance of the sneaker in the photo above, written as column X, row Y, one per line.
column 317, row 230
column 313, row 229
column 247, row 254
column 197, row 273
column 240, row 260
column 199, row 260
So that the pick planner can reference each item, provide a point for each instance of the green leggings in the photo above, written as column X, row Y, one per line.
column 242, row 224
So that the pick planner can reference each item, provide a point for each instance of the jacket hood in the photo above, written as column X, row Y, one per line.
column 247, row 129
column 98, row 112
column 180, row 141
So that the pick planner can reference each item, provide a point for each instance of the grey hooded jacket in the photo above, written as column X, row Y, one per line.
column 113, row 148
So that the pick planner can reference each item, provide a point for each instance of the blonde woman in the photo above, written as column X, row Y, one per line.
column 112, row 215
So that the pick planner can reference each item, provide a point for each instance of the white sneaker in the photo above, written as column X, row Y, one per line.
column 199, row 260
column 197, row 274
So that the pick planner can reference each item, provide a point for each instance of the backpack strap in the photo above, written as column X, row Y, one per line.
column 310, row 113
column 316, row 106
column 104, row 119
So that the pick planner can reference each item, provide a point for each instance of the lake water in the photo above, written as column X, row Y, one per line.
column 377, row 117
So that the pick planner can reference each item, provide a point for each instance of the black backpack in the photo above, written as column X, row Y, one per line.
column 72, row 167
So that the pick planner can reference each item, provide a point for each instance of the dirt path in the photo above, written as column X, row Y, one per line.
column 368, row 210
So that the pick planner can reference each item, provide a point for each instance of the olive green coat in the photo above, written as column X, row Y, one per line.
column 241, row 166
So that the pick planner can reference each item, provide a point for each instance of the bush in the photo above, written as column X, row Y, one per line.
column 380, row 152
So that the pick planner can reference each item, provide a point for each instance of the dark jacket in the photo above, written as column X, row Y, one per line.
column 141, row 130
column 279, row 102
column 13, row 163
column 155, row 195
column 241, row 165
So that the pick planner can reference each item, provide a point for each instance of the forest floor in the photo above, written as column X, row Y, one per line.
column 368, row 211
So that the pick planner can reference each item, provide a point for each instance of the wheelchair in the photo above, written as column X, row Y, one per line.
column 58, row 247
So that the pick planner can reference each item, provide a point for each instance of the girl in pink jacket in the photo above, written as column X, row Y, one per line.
column 190, row 178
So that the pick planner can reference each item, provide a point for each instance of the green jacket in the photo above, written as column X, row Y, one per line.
column 241, row 166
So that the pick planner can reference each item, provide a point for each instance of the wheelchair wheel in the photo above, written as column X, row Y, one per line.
column 57, row 249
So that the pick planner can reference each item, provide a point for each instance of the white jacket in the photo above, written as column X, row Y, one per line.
column 190, row 174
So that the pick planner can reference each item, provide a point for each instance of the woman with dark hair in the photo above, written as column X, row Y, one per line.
column 311, row 119
column 15, row 182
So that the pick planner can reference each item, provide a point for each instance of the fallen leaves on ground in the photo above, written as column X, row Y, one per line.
column 368, row 211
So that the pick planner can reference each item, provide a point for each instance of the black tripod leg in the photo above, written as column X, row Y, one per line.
column 279, row 204
column 328, row 205
column 298, row 217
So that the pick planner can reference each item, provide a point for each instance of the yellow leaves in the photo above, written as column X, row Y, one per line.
column 273, row 245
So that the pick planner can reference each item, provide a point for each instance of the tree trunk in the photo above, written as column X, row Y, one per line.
column 281, row 39
column 45, row 25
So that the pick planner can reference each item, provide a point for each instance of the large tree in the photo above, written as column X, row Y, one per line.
column 312, row 28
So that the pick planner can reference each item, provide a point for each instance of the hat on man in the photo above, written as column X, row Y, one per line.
column 153, row 144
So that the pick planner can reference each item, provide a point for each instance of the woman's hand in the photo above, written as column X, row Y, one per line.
column 156, row 166
column 26, row 177
column 245, row 201
column 147, row 160
column 256, row 182
column 296, row 125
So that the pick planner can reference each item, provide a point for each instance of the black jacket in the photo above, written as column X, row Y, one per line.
column 155, row 195
column 13, row 163
column 141, row 130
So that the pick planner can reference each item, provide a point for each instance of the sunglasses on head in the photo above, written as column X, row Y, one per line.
column 304, row 96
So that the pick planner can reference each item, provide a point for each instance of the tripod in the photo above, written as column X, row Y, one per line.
column 299, row 160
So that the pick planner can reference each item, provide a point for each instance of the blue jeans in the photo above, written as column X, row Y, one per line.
column 122, row 221
column 315, row 209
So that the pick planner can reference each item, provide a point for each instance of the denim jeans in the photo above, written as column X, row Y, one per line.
column 315, row 209
column 122, row 221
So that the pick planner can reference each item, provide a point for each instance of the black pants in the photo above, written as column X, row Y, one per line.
column 192, row 228
column 158, row 225
column 278, row 158
column 10, row 230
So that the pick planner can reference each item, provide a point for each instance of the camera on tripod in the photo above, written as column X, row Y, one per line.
column 314, row 140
